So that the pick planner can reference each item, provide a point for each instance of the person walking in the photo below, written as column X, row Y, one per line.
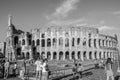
column 38, row 64
column 6, row 66
column 108, row 69
column 23, row 70
column 45, row 70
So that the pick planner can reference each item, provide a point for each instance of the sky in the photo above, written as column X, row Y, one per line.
column 29, row 14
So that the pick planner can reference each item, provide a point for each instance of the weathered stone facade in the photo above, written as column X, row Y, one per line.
column 60, row 43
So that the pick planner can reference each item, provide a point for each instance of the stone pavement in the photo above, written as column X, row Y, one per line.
column 95, row 74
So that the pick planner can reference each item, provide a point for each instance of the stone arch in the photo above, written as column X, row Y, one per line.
column 23, row 55
column 108, row 55
column 48, row 55
column 43, row 54
column 89, row 42
column 38, row 42
column 38, row 55
column 79, row 55
column 73, row 54
column 33, row 43
column 90, row 55
column 54, row 55
column 100, row 55
column 95, row 54
column 27, row 55
column 95, row 43
column 84, row 55
column 104, row 55
column 60, row 55
column 67, row 55
column 48, row 42
column 23, row 42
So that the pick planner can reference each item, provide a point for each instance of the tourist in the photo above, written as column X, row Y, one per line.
column 38, row 64
column 45, row 70
column 23, row 70
column 15, row 68
column 108, row 69
column 6, row 66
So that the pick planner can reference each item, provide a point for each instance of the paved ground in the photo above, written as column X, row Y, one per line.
column 96, row 74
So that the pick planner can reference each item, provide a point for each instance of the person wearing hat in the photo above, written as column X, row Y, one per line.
column 108, row 69
column 6, row 66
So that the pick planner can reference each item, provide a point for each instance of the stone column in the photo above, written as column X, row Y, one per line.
column 82, row 56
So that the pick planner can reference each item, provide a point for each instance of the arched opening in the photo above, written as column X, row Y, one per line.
column 104, row 55
column 60, row 55
column 38, row 42
column 95, row 54
column 73, row 42
column 84, row 55
column 48, row 55
column 60, row 41
column 43, row 55
column 23, row 55
column 100, row 55
column 15, row 40
column 95, row 43
column 67, row 55
column 33, row 43
column 38, row 55
column 54, row 55
column 43, row 43
column 54, row 42
column 23, row 42
column 34, row 53
column 48, row 42
column 89, row 42
column 108, row 55
column 66, row 42
column 27, row 55
column 78, row 41
column 79, row 55
column 90, row 55
column 73, row 54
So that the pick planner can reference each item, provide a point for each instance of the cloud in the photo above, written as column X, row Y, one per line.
column 116, row 13
column 68, row 22
column 63, row 10
column 105, row 28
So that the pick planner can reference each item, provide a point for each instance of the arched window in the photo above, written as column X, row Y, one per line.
column 78, row 41
column 43, row 55
column 79, row 55
column 23, row 55
column 60, row 41
column 54, row 55
column 89, row 42
column 27, row 55
column 43, row 43
column 103, row 43
column 100, row 55
column 84, row 55
column 38, row 42
column 48, row 55
column 99, row 42
column 66, row 42
column 48, row 42
column 54, row 42
column 33, row 43
column 90, row 55
column 95, row 54
column 73, row 42
column 38, row 55
column 23, row 42
column 104, row 55
column 73, row 54
column 67, row 55
column 60, row 55
column 95, row 43
column 84, row 42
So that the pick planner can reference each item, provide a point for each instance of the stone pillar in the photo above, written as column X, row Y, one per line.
column 57, row 55
column 63, row 55
column 76, row 56
column 93, row 55
column 51, row 55
column 87, row 55
column 70, row 56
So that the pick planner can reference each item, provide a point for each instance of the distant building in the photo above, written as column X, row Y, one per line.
column 60, row 43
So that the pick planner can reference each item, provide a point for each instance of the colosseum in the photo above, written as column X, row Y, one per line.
column 60, row 43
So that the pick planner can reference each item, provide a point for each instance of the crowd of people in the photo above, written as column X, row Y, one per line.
column 42, row 69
